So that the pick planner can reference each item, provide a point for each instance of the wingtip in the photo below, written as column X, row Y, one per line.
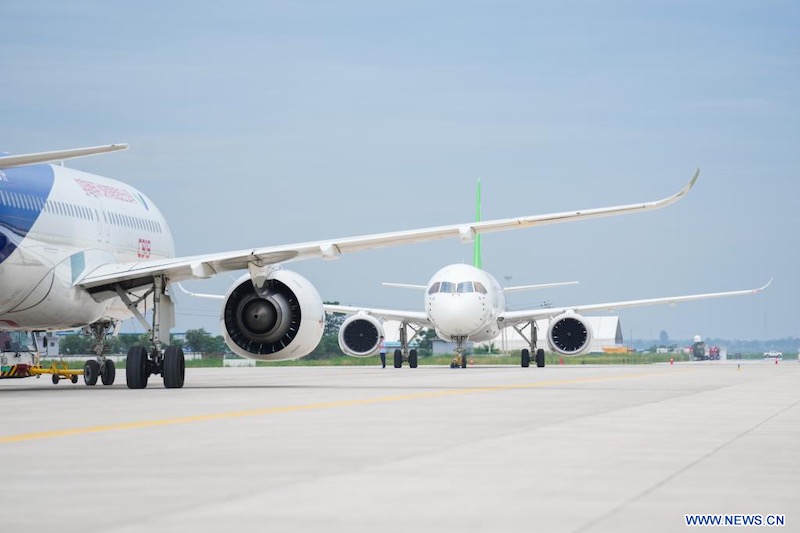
column 766, row 285
column 683, row 192
column 694, row 178
column 691, row 182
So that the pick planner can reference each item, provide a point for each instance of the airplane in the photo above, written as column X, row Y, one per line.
column 465, row 303
column 78, row 250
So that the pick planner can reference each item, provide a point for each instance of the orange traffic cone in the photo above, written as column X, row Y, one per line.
column 671, row 360
column 560, row 360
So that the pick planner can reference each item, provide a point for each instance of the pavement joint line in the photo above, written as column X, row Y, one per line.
column 143, row 424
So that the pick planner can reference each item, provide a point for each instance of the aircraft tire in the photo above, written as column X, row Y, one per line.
column 174, row 367
column 108, row 373
column 464, row 360
column 540, row 358
column 398, row 359
column 91, row 371
column 136, row 368
column 412, row 359
column 525, row 358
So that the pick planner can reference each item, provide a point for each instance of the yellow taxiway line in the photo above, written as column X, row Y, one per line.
column 43, row 435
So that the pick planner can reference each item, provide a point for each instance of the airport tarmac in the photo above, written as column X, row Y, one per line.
column 359, row 449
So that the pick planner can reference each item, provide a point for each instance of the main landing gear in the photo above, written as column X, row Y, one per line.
column 525, row 355
column 404, row 354
column 141, row 363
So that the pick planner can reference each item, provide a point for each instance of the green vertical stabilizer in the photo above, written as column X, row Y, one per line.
column 477, row 260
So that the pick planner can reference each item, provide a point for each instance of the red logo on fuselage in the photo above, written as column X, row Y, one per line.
column 144, row 249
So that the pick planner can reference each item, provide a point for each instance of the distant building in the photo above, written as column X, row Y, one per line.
column 48, row 344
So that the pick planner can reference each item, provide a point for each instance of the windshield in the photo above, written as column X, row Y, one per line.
column 447, row 286
column 465, row 286
column 15, row 341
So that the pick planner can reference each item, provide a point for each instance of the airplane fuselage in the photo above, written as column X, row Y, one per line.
column 464, row 301
column 58, row 224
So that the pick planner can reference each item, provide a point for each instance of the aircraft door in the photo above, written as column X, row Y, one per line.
column 103, row 227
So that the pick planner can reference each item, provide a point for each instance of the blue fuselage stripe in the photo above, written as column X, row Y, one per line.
column 23, row 194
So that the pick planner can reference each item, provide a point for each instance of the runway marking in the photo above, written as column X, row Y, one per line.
column 42, row 435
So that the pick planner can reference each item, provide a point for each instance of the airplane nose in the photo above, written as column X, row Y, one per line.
column 456, row 314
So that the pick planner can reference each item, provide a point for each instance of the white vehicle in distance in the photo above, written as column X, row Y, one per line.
column 773, row 355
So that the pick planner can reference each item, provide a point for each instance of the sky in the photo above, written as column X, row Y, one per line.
column 265, row 123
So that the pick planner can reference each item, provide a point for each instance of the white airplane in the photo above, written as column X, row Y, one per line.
column 81, row 250
column 465, row 303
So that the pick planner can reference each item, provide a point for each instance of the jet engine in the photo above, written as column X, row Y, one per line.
column 284, row 319
column 360, row 335
column 569, row 334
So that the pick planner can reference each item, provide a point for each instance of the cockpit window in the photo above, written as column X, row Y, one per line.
column 479, row 287
column 447, row 286
column 465, row 286
column 434, row 288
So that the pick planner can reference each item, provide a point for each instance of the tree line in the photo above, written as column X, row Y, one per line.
column 200, row 340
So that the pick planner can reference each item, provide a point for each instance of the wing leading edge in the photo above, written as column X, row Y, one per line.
column 510, row 318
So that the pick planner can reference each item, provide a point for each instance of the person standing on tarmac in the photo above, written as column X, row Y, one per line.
column 383, row 352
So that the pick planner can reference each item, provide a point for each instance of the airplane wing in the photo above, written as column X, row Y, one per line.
column 10, row 161
column 511, row 318
column 417, row 317
column 520, row 288
column 136, row 274
column 387, row 314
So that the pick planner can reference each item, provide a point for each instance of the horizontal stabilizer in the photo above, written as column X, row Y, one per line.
column 540, row 286
column 9, row 161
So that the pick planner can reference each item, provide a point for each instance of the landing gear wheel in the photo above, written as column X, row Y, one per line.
column 55, row 379
column 412, row 359
column 91, row 371
column 108, row 372
column 74, row 378
column 540, row 358
column 525, row 358
column 398, row 359
column 174, row 367
column 463, row 360
column 136, row 373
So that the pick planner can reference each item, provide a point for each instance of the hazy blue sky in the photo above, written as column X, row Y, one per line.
column 258, row 123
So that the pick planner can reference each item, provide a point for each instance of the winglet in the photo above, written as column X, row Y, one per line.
column 686, row 189
column 10, row 161
column 678, row 195
column 765, row 286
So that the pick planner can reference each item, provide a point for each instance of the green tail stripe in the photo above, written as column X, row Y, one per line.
column 477, row 256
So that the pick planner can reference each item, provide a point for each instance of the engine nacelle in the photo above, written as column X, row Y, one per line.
column 569, row 334
column 283, row 320
column 360, row 335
